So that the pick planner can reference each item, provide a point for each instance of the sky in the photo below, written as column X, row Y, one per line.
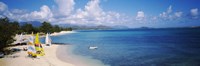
column 129, row 13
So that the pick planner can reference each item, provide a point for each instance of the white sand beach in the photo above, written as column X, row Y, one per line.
column 21, row 58
column 17, row 38
column 62, row 33
column 53, row 56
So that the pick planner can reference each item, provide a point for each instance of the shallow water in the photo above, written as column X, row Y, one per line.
column 155, row 47
column 65, row 53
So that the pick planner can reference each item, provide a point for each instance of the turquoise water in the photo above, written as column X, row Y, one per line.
column 153, row 47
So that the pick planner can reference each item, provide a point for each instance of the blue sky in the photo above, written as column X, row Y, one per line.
column 130, row 13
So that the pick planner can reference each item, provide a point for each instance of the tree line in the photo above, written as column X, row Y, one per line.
column 8, row 29
column 46, row 27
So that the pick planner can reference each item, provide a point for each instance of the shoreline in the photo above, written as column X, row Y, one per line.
column 65, row 54
column 62, row 33
column 21, row 58
column 55, row 55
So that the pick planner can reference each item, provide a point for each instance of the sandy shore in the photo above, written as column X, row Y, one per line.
column 75, row 59
column 53, row 56
column 21, row 58
column 17, row 38
column 62, row 33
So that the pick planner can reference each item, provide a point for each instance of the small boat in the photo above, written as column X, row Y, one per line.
column 21, row 38
column 48, row 40
column 93, row 47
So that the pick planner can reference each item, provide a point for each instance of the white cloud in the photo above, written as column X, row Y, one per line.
column 91, row 11
column 169, row 15
column 93, row 8
column 4, row 12
column 169, row 10
column 140, row 15
column 178, row 14
column 154, row 18
column 65, row 7
column 44, row 14
column 3, row 7
column 93, row 14
column 194, row 12
column 166, row 14
column 18, row 11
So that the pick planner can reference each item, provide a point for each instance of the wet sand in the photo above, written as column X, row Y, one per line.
column 65, row 53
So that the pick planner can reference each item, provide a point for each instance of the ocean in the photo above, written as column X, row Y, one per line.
column 137, row 47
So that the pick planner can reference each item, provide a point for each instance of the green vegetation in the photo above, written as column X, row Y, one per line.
column 7, row 32
column 46, row 27
column 8, row 29
column 27, row 28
